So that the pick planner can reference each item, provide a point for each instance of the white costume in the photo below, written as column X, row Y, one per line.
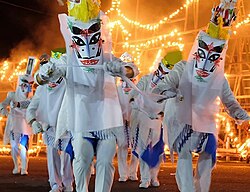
column 90, row 107
column 123, row 135
column 183, row 139
column 134, row 161
column 17, row 131
column 148, row 142
column 44, row 109
column 191, row 122
column 145, row 133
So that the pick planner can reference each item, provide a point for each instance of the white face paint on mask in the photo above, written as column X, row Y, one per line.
column 208, row 57
column 159, row 74
column 25, row 87
column 86, row 41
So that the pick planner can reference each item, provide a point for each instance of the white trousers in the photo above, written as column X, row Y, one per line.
column 59, row 168
column 122, row 138
column 19, row 155
column 133, row 166
column 149, row 174
column 84, row 153
column 200, row 182
column 122, row 155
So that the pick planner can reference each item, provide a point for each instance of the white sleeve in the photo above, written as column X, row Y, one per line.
column 117, row 67
column 232, row 105
column 55, row 66
column 24, row 104
column 10, row 96
column 141, row 85
column 33, row 106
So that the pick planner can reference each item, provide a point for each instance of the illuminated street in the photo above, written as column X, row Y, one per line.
column 88, row 77
column 227, row 177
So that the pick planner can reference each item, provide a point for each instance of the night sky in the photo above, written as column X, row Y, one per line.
column 30, row 24
column 19, row 23
column 33, row 24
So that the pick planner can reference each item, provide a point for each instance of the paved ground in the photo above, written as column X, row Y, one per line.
column 227, row 177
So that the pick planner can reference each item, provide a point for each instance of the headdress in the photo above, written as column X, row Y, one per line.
column 165, row 66
column 84, row 10
column 203, row 78
column 170, row 59
column 221, row 20
column 57, row 53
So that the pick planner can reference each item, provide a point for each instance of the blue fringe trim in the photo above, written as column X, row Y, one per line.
column 183, row 137
column 22, row 139
column 127, row 132
column 152, row 154
column 135, row 141
column 25, row 141
column 202, row 138
column 211, row 147
column 70, row 151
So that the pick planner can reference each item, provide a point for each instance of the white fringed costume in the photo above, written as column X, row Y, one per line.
column 90, row 108
column 44, row 108
column 191, row 122
column 146, row 133
column 147, row 130
column 17, row 130
column 123, row 135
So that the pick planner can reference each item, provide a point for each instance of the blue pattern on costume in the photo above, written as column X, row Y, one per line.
column 94, row 136
column 211, row 147
column 70, row 151
column 135, row 142
column 202, row 138
column 93, row 141
column 24, row 104
column 183, row 137
column 50, row 140
column 24, row 141
column 60, row 144
column 211, row 144
column 126, row 130
column 21, row 138
column 152, row 154
column 12, row 135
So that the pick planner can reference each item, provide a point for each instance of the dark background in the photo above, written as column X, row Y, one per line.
column 30, row 25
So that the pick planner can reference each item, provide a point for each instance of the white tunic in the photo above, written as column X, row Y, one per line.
column 172, row 120
column 145, row 123
column 46, row 104
column 16, row 121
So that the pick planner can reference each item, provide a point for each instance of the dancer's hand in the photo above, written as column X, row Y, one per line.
column 114, row 68
column 46, row 71
column 36, row 127
column 134, row 105
column 44, row 58
column 4, row 111
column 14, row 104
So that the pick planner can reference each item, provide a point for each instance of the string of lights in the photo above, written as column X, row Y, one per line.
column 150, row 26
column 135, row 47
